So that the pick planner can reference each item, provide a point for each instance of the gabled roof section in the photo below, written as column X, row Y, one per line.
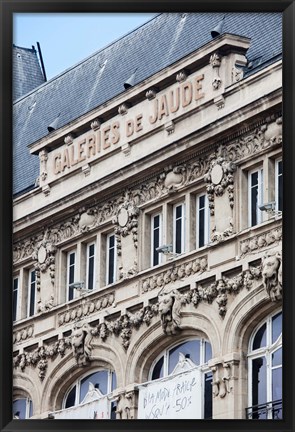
column 27, row 73
column 150, row 48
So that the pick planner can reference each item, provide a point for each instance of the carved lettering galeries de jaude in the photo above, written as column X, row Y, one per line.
column 104, row 137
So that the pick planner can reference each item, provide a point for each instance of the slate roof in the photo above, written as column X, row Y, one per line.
column 26, row 71
column 160, row 42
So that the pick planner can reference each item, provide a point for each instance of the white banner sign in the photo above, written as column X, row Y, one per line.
column 95, row 410
column 178, row 397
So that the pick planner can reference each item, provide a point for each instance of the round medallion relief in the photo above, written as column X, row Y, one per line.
column 123, row 217
column 42, row 254
column 216, row 174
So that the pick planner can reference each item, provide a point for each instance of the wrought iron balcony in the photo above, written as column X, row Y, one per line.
column 269, row 410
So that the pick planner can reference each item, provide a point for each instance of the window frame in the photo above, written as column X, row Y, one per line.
column 78, row 381
column 28, row 408
column 182, row 232
column 15, row 299
column 266, row 352
column 153, row 247
column 277, row 175
column 260, row 185
column 108, row 249
column 206, row 220
column 29, row 298
column 88, row 257
column 69, row 253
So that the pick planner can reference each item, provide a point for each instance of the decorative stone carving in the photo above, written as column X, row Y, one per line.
column 222, row 288
column 81, row 338
column 174, row 178
column 125, row 405
column 151, row 94
column 39, row 357
column 86, row 169
column 123, row 109
column 261, row 241
column 221, row 380
column 44, row 258
column 87, row 221
column 220, row 178
column 133, row 271
column 95, row 124
column 43, row 156
column 181, row 76
column 217, row 237
column 88, row 306
column 169, row 309
column 126, row 221
column 237, row 74
column 215, row 61
column 272, row 275
column 69, row 139
column 219, row 101
column 159, row 280
column 46, row 306
column 23, row 334
column 169, row 127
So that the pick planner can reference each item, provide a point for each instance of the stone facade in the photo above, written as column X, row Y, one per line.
column 177, row 142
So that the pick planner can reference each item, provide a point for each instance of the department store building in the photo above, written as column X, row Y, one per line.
column 148, row 225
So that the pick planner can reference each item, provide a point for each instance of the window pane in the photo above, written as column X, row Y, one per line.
column 276, row 326
column 190, row 349
column 259, row 381
column 277, row 357
column 178, row 236
column 202, row 202
column 280, row 186
column 201, row 228
column 208, row 396
column 208, row 351
column 276, row 384
column 112, row 241
column 98, row 379
column 111, row 264
column 114, row 381
column 260, row 338
column 14, row 300
column 19, row 408
column 178, row 212
column 156, row 239
column 32, row 294
column 72, row 258
column 71, row 398
column 158, row 369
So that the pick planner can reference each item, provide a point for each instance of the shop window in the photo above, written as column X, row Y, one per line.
column 182, row 374
column 179, row 228
column 22, row 408
column 156, row 238
column 255, row 196
column 90, row 267
column 279, row 185
column 265, row 370
column 111, row 263
column 32, row 293
column 15, row 296
column 71, row 273
column 202, row 227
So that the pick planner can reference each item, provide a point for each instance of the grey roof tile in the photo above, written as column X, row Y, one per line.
column 152, row 47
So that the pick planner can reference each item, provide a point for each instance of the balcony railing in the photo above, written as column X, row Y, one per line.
column 270, row 410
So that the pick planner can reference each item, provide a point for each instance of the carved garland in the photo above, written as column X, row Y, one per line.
column 198, row 265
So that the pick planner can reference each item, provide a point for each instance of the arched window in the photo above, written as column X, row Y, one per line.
column 265, row 370
column 22, row 408
column 179, row 383
column 104, row 380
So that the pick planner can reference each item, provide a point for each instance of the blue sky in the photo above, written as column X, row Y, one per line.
column 66, row 39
